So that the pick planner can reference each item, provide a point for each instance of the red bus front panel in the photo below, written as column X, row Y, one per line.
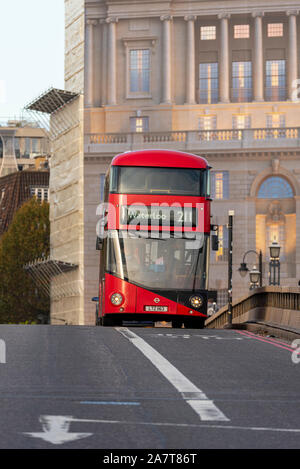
column 128, row 291
column 138, row 300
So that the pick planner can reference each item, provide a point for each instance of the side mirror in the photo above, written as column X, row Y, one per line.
column 215, row 242
column 99, row 244
column 215, row 237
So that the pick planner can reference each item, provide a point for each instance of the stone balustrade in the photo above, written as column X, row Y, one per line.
column 276, row 305
column 206, row 140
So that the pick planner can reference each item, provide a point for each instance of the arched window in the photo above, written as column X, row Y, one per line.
column 275, row 187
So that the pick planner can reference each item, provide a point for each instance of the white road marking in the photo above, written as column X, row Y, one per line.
column 188, row 336
column 192, row 425
column 205, row 408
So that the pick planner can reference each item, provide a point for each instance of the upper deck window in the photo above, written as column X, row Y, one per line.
column 164, row 181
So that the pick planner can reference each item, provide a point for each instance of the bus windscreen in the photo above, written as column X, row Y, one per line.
column 151, row 180
column 157, row 263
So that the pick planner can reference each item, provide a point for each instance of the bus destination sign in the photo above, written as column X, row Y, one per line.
column 158, row 215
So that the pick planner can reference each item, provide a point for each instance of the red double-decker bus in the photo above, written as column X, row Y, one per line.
column 155, row 239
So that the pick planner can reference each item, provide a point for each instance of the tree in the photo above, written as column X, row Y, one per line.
column 27, row 239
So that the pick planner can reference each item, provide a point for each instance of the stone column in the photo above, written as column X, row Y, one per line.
column 166, row 59
column 292, row 68
column 258, row 60
column 89, row 75
column 190, row 60
column 297, row 247
column 224, row 59
column 112, row 62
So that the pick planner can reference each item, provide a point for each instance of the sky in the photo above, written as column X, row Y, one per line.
column 32, row 52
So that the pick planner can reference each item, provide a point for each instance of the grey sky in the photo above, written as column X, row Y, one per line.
column 32, row 51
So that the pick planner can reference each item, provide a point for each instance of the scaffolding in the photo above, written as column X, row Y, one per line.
column 54, row 112
column 46, row 110
column 49, row 275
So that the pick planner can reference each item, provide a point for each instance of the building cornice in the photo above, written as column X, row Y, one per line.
column 178, row 8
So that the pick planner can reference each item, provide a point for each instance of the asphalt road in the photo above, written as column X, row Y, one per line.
column 139, row 388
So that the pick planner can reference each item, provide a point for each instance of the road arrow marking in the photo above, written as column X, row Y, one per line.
column 56, row 430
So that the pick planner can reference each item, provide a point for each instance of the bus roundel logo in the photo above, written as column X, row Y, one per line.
column 156, row 300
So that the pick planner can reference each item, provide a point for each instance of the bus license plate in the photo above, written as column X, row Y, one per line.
column 156, row 308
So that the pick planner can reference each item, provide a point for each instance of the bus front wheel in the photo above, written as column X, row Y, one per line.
column 176, row 324
column 194, row 323
column 110, row 322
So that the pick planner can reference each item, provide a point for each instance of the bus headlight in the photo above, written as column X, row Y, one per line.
column 116, row 299
column 196, row 301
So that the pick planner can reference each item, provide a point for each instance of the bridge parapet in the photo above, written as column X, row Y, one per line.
column 276, row 305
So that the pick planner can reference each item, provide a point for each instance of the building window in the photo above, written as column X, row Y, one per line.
column 220, row 185
column 208, row 33
column 209, row 83
column 41, row 193
column 35, row 147
column 139, row 124
column 139, row 70
column 241, row 31
column 27, row 148
column 240, row 122
column 222, row 253
column 275, row 120
column 275, row 29
column 17, row 147
column 275, row 187
column 275, row 80
column 275, row 123
column 207, row 124
column 241, row 81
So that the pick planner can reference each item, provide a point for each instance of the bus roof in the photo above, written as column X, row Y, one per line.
column 160, row 158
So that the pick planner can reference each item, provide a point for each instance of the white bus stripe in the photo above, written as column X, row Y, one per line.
column 196, row 398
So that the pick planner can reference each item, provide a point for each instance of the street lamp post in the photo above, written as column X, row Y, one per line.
column 255, row 275
column 274, row 265
column 230, row 239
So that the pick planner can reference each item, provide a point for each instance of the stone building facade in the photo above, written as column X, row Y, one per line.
column 215, row 78
column 22, row 143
